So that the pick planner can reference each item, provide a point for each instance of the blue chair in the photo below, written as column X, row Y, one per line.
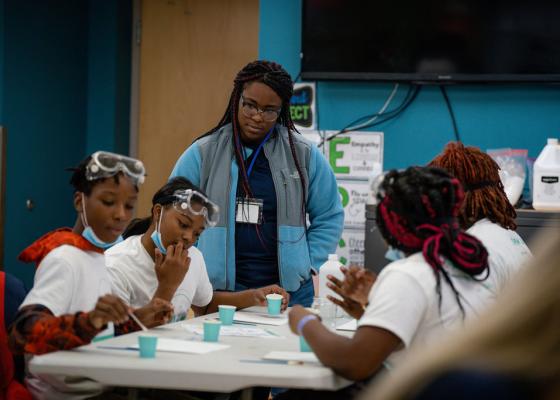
column 14, row 294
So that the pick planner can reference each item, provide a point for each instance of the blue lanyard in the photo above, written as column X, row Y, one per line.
column 258, row 151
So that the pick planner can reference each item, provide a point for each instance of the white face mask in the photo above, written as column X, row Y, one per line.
column 90, row 235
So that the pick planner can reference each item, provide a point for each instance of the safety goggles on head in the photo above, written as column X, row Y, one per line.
column 104, row 164
column 196, row 203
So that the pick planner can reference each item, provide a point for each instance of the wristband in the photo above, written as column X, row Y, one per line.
column 302, row 322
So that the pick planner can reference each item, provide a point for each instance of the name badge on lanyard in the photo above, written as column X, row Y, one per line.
column 249, row 211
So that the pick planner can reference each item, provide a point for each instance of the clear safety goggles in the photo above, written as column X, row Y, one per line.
column 196, row 203
column 104, row 165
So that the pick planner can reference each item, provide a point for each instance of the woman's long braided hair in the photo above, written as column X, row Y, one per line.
column 275, row 77
column 417, row 211
column 479, row 174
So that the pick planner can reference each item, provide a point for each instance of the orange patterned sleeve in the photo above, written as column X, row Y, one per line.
column 127, row 327
column 37, row 331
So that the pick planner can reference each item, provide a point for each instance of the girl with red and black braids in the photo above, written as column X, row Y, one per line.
column 486, row 212
column 418, row 214
column 415, row 300
column 266, row 180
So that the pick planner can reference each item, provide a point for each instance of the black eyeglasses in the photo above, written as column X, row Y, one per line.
column 250, row 110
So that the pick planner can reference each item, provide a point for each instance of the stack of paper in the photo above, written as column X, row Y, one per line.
column 260, row 319
column 174, row 346
column 291, row 356
column 348, row 326
column 245, row 331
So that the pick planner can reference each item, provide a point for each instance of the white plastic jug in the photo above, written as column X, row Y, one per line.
column 546, row 178
column 330, row 267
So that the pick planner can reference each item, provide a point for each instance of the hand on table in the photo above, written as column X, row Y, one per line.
column 109, row 308
column 156, row 312
column 260, row 295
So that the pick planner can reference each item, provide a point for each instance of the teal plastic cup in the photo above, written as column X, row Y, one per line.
column 211, row 330
column 148, row 345
column 303, row 345
column 226, row 314
column 274, row 302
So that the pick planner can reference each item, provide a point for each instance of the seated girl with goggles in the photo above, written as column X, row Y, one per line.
column 158, row 259
column 71, row 302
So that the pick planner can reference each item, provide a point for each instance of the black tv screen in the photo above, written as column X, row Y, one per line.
column 431, row 40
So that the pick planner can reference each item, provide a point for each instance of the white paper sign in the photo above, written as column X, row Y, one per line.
column 354, row 195
column 351, row 247
column 352, row 155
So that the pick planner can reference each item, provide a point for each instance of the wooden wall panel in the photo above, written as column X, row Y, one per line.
column 190, row 52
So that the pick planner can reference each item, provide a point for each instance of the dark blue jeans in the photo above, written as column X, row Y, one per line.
column 304, row 295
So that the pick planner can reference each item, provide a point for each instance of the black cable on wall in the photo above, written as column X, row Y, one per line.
column 451, row 114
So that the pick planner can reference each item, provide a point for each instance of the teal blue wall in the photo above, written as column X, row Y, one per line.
column 65, row 88
column 45, row 67
column 1, row 58
column 488, row 116
column 109, row 55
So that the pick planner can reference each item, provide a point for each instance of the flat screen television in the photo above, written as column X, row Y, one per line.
column 431, row 41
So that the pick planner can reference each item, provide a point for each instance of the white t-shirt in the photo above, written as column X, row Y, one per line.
column 134, row 279
column 67, row 281
column 507, row 252
column 404, row 301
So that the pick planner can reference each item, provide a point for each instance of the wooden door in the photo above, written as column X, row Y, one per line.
column 190, row 53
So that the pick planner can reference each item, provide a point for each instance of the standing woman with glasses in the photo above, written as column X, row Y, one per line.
column 267, row 180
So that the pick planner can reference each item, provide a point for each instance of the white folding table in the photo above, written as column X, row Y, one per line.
column 238, row 367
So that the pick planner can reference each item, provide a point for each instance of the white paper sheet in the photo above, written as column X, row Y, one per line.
column 291, row 356
column 260, row 318
column 348, row 326
column 244, row 331
column 174, row 346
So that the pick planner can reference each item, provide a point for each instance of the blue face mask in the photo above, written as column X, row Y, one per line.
column 90, row 235
column 393, row 254
column 156, row 236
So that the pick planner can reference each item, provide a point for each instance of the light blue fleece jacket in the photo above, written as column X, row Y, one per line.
column 210, row 164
